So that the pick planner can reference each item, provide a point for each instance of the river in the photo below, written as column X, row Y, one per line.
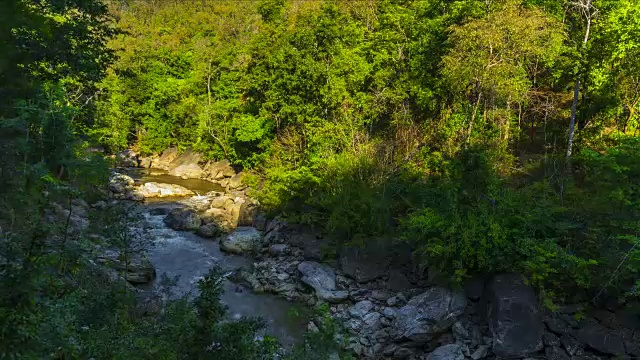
column 187, row 257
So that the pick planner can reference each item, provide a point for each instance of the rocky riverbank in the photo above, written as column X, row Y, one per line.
column 390, row 306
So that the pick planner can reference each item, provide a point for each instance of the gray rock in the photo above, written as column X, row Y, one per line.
column 459, row 331
column 219, row 170
column 183, row 219
column 278, row 249
column 334, row 296
column 555, row 353
column 120, row 183
column 513, row 317
column 187, row 171
column 549, row 339
column 364, row 264
column 303, row 237
column 210, row 230
column 240, row 240
column 127, row 158
column 360, row 309
column 260, row 222
column 558, row 326
column 632, row 345
column 428, row 314
column 397, row 281
column 389, row 312
column 137, row 269
column 601, row 339
column 570, row 344
column 447, row 352
column 322, row 279
column 480, row 353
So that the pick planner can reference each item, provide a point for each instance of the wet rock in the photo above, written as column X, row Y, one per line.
column 220, row 217
column 242, row 239
column 154, row 189
column 127, row 158
column 159, row 211
column 183, row 219
column 210, row 230
column 601, row 339
column 428, row 314
column 260, row 222
column 187, row 171
column 447, row 352
column 513, row 317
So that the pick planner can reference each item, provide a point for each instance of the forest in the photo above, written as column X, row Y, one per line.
column 494, row 135
column 490, row 135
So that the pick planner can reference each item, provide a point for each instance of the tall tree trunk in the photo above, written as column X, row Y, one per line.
column 589, row 11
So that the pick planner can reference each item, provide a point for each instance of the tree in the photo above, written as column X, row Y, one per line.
column 491, row 59
column 587, row 10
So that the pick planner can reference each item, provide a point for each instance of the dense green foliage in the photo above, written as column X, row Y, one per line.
column 436, row 122
column 443, row 123
column 56, row 301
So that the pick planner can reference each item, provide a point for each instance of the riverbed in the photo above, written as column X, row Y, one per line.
column 185, row 257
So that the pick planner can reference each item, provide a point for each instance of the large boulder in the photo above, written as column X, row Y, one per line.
column 185, row 160
column 428, row 315
column 137, row 269
column 364, row 264
column 601, row 339
column 210, row 230
column 322, row 279
column 187, row 171
column 120, row 183
column 183, row 219
column 165, row 160
column 236, row 182
column 127, row 158
column 242, row 239
column 221, row 218
column 313, row 244
column 219, row 170
column 154, row 189
column 513, row 316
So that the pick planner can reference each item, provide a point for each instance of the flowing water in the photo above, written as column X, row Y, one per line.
column 198, row 186
column 187, row 257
